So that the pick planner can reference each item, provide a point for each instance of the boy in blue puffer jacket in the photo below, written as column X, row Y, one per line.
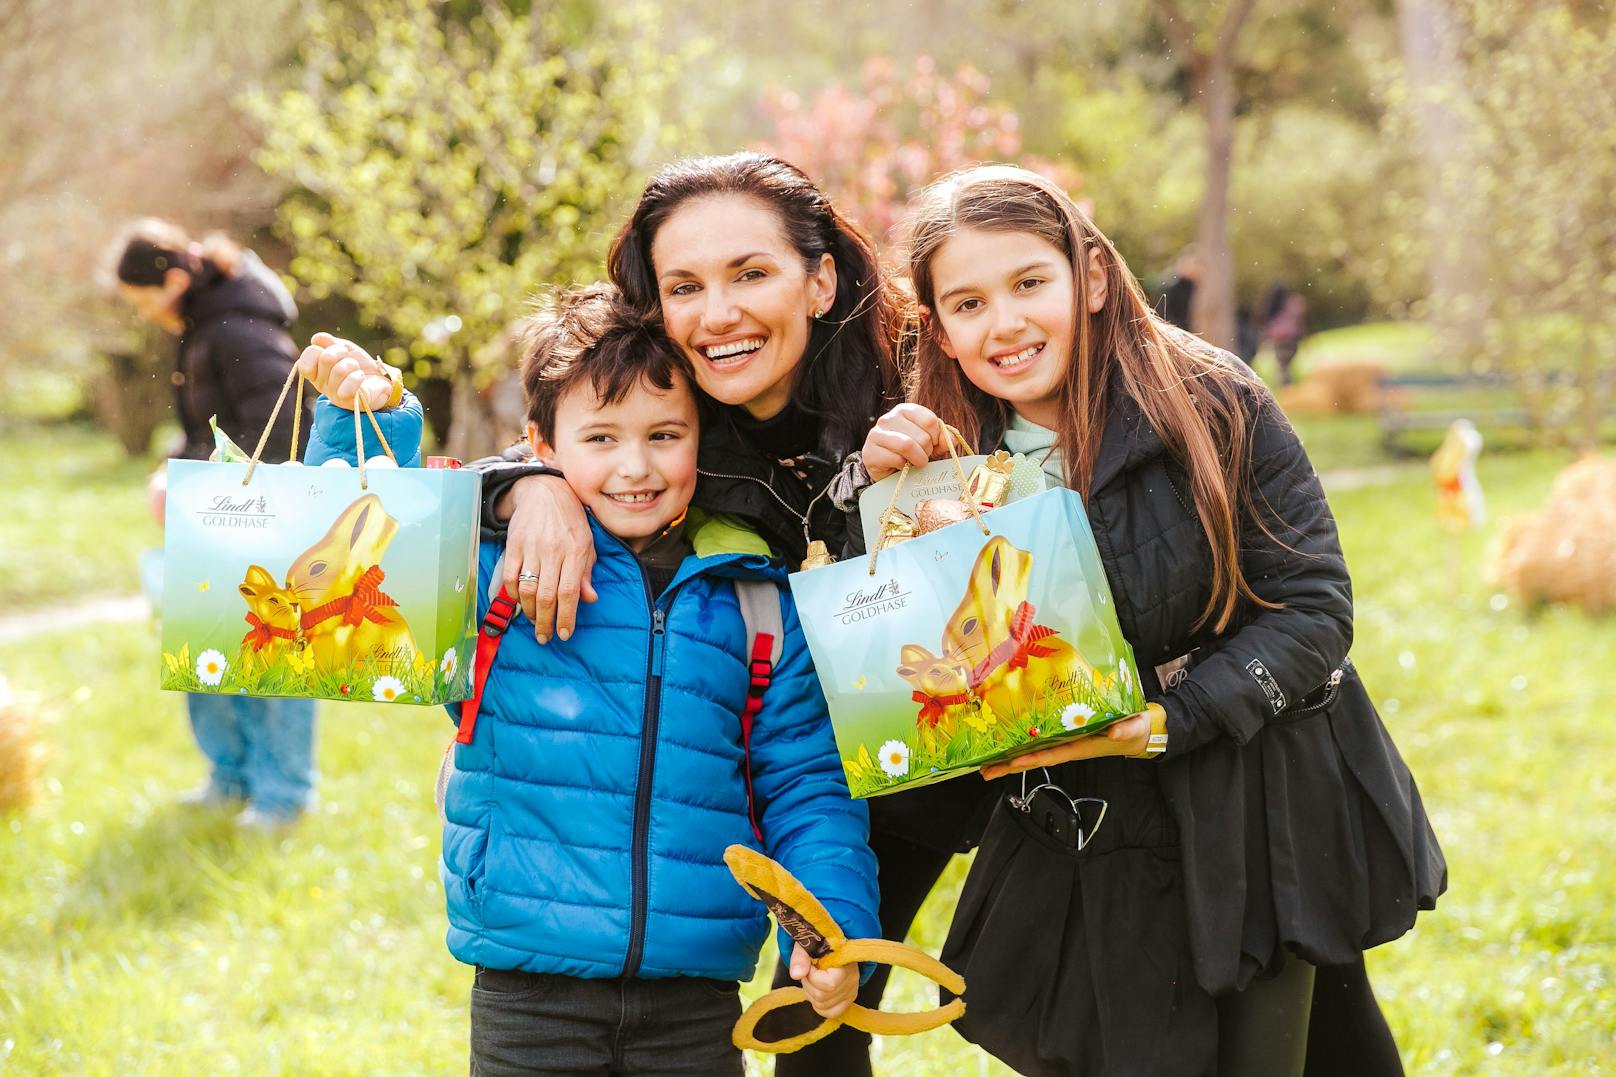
column 587, row 818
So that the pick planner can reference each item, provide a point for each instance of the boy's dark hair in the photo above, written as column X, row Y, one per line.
column 589, row 333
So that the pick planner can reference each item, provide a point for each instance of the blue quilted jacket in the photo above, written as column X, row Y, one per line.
column 588, row 818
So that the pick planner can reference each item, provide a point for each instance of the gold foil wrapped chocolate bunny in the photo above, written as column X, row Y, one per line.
column 818, row 556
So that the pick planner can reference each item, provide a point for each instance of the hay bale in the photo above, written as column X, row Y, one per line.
column 22, row 752
column 1344, row 386
column 1354, row 384
column 1305, row 398
column 1566, row 552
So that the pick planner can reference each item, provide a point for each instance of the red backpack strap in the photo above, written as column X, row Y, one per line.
column 765, row 633
column 761, row 669
column 495, row 622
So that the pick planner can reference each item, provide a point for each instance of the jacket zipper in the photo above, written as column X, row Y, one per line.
column 1331, row 687
column 801, row 517
column 766, row 485
column 642, row 793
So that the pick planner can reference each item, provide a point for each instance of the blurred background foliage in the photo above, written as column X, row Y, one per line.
column 418, row 168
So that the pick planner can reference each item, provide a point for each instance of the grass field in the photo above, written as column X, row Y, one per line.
column 137, row 938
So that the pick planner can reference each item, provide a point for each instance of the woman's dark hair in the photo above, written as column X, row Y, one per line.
column 850, row 374
column 148, row 248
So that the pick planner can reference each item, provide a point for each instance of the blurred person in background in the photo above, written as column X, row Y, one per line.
column 1178, row 298
column 1283, row 315
column 233, row 318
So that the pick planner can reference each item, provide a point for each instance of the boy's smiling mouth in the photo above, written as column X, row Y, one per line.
column 635, row 499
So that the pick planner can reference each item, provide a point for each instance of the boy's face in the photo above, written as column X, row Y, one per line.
column 632, row 463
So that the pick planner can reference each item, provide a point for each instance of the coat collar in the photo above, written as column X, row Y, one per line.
column 1128, row 441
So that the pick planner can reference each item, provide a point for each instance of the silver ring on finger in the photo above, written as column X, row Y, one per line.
column 534, row 576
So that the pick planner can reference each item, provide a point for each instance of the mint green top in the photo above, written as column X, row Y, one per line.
column 1036, row 443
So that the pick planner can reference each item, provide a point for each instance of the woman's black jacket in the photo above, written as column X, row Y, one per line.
column 233, row 357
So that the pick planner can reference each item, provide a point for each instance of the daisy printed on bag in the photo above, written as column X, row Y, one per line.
column 451, row 662
column 387, row 689
column 210, row 667
column 1076, row 715
column 895, row 758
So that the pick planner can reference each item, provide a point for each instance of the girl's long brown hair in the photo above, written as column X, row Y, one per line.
column 1189, row 391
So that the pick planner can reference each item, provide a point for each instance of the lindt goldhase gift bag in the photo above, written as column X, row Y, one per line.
column 320, row 582
column 981, row 640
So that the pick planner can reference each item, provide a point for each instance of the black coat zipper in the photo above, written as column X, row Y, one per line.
column 641, row 885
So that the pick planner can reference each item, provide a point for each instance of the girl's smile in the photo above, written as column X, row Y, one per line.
column 1005, row 312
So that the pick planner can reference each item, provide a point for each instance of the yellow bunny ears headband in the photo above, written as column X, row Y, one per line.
column 783, row 1020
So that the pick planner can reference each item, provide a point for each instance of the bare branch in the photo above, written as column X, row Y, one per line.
column 1229, row 32
column 1180, row 35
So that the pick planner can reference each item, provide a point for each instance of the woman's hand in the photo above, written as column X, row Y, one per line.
column 341, row 370
column 549, row 542
column 829, row 991
column 908, row 434
column 1128, row 737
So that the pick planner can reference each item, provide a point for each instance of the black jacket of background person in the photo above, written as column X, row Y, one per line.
column 1176, row 300
column 233, row 357
column 1299, row 821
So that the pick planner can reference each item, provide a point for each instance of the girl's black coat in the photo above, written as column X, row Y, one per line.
column 1299, row 821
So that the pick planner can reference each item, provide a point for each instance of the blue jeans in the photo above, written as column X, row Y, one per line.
column 525, row 1023
column 260, row 749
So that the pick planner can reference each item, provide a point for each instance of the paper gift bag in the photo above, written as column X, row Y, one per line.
column 964, row 648
column 313, row 582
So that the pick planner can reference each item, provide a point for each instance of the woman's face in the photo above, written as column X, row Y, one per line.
column 159, row 304
column 737, row 300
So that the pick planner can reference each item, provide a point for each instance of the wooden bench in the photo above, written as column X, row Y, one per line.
column 1396, row 418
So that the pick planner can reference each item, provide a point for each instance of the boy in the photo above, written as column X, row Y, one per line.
column 606, row 774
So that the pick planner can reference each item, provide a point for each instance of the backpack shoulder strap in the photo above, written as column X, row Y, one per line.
column 765, row 636
column 501, row 611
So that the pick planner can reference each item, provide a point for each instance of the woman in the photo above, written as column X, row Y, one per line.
column 1277, row 830
column 233, row 319
column 780, row 307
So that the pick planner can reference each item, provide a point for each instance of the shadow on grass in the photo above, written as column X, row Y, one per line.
column 179, row 863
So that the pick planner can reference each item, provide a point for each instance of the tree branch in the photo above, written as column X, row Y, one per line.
column 1180, row 36
column 1229, row 32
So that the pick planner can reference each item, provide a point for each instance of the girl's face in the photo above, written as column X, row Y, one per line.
column 736, row 299
column 1005, row 311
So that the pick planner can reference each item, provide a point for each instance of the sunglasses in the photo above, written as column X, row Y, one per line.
column 1059, row 814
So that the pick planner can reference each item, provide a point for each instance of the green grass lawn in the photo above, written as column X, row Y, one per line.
column 137, row 938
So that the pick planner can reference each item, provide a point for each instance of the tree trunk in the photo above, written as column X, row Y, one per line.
column 1213, row 307
column 131, row 400
column 1429, row 35
column 471, row 433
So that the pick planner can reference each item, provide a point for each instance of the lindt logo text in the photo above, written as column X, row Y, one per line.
column 861, row 605
column 227, row 511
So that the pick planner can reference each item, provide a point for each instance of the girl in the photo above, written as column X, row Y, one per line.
column 1277, row 829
